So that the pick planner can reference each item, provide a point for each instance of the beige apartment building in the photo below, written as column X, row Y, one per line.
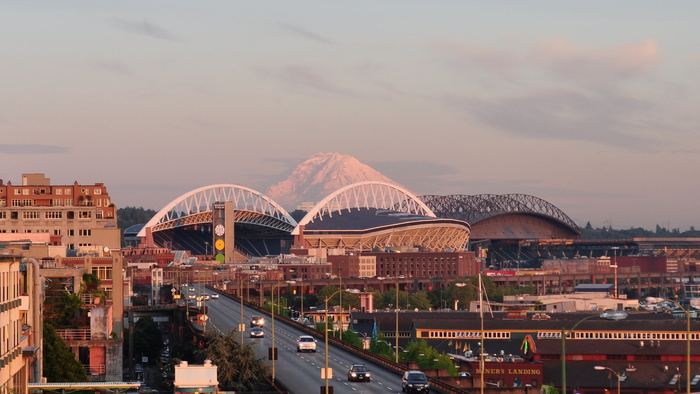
column 79, row 217
column 20, row 324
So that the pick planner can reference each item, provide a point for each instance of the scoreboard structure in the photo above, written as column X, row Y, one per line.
column 223, row 215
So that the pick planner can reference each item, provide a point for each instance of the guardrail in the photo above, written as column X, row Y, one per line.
column 435, row 383
column 74, row 334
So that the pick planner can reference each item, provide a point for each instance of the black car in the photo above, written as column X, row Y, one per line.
column 358, row 373
column 415, row 382
column 257, row 332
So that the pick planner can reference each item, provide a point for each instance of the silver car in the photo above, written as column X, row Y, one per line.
column 306, row 343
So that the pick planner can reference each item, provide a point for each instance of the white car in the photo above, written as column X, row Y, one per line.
column 306, row 343
column 215, row 295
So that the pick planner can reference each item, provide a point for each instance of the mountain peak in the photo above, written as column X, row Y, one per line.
column 319, row 176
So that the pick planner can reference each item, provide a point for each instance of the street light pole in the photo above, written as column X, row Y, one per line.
column 396, row 353
column 273, row 350
column 326, row 373
column 481, row 318
column 602, row 368
column 241, row 325
column 687, row 345
column 615, row 248
column 564, row 334
column 482, row 333
column 273, row 353
column 340, row 286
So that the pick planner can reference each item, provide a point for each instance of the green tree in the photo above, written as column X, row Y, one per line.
column 238, row 368
column 419, row 300
column 549, row 389
column 387, row 299
column 428, row 357
column 59, row 363
column 297, row 214
column 352, row 338
column 62, row 308
column 148, row 340
column 350, row 300
column 381, row 347
column 129, row 216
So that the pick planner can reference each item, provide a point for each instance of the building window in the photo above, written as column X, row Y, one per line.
column 108, row 293
column 71, row 233
column 98, row 191
column 59, row 192
column 53, row 214
column 16, row 203
column 84, row 215
column 25, row 192
column 99, row 202
column 3, row 215
column 57, row 202
column 57, row 232
column 104, row 273
column 17, row 192
column 68, row 202
column 84, row 232
column 30, row 215
column 68, row 192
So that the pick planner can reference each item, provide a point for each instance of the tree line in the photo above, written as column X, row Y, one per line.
column 589, row 232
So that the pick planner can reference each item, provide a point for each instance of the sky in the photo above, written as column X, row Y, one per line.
column 589, row 105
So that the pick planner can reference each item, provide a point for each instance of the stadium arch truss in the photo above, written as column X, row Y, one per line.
column 493, row 214
column 195, row 207
column 417, row 226
column 381, row 195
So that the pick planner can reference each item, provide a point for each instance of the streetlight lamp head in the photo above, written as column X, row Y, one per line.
column 599, row 368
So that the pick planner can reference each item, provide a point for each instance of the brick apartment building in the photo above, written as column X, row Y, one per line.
column 81, row 217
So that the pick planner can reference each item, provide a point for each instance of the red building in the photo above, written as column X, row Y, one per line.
column 426, row 264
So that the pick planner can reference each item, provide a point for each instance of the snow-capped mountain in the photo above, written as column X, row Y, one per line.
column 319, row 176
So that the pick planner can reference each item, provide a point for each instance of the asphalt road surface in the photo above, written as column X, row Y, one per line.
column 300, row 372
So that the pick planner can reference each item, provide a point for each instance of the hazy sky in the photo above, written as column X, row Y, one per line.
column 590, row 105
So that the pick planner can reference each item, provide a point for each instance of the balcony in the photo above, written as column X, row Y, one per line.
column 74, row 334
column 95, row 369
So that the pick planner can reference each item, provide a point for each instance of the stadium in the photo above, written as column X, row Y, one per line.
column 231, row 220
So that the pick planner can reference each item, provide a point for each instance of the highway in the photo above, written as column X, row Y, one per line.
column 300, row 372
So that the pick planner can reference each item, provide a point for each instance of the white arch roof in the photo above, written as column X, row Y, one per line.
column 201, row 200
column 370, row 194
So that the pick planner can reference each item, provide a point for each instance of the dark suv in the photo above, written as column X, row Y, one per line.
column 358, row 373
column 415, row 382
